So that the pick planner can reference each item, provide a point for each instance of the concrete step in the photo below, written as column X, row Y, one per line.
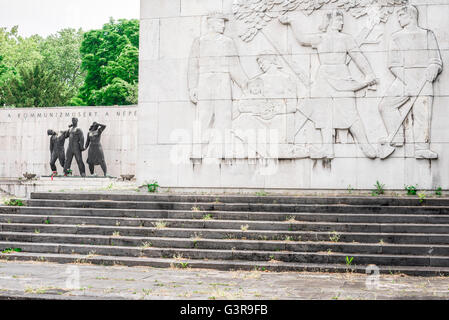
column 220, row 264
column 228, row 224
column 361, row 237
column 231, row 215
column 244, row 255
column 222, row 244
column 107, row 204
column 269, row 199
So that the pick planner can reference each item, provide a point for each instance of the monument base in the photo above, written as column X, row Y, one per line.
column 23, row 188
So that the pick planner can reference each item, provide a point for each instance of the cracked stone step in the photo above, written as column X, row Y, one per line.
column 238, row 207
column 244, row 255
column 353, row 200
column 229, row 224
column 221, row 244
column 410, row 238
column 222, row 264
column 234, row 215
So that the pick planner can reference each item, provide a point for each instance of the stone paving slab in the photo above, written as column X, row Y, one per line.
column 31, row 280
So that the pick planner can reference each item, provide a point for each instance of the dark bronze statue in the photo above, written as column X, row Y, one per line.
column 75, row 149
column 95, row 155
column 57, row 141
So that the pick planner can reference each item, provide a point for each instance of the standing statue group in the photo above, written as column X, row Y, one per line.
column 76, row 147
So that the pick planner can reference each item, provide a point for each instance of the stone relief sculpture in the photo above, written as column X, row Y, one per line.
column 270, row 101
column 213, row 65
column 57, row 151
column 95, row 155
column 413, row 56
column 269, row 104
column 333, row 104
column 75, row 148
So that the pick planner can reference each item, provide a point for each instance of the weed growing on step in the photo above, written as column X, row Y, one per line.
column 291, row 219
column 381, row 242
column 422, row 197
column 37, row 231
column 349, row 260
column 208, row 217
column 160, row 225
column 152, row 187
column 116, row 234
column 117, row 223
column 335, row 236
column 439, row 192
column 47, row 221
column 14, row 203
column 196, row 209
column 379, row 189
column 11, row 250
column 197, row 236
column 411, row 190
column 262, row 193
column 350, row 189
column 244, row 228
column 146, row 245
column 178, row 256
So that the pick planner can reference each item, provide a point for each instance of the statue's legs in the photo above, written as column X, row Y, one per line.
column 61, row 157
column 422, row 117
column 104, row 168
column 79, row 161
column 54, row 157
column 91, row 168
column 391, row 116
column 358, row 132
column 68, row 161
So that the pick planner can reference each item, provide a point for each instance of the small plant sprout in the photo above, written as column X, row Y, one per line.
column 350, row 189
column 261, row 193
column 37, row 231
column 146, row 244
column 439, row 191
column 160, row 225
column 335, row 236
column 207, row 217
column 47, row 221
column 116, row 234
column 291, row 219
column 349, row 260
column 379, row 189
column 422, row 197
column 244, row 227
column 411, row 190
column 14, row 203
column 152, row 187
column 196, row 209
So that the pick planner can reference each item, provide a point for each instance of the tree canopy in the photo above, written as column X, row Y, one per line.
column 110, row 57
column 71, row 67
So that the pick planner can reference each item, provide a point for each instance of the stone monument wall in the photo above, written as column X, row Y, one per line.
column 294, row 94
column 25, row 145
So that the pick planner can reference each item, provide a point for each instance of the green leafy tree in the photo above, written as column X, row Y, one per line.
column 61, row 56
column 110, row 58
column 34, row 87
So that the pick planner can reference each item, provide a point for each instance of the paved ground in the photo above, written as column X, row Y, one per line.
column 75, row 281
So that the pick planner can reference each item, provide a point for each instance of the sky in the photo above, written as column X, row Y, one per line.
column 46, row 17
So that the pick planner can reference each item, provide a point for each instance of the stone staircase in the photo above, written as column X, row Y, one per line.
column 275, row 233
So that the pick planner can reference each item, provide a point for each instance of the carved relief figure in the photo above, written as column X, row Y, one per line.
column 270, row 104
column 413, row 56
column 95, row 155
column 214, row 64
column 75, row 148
column 57, row 141
column 333, row 104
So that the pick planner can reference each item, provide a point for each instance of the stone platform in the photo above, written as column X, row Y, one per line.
column 277, row 233
column 23, row 188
